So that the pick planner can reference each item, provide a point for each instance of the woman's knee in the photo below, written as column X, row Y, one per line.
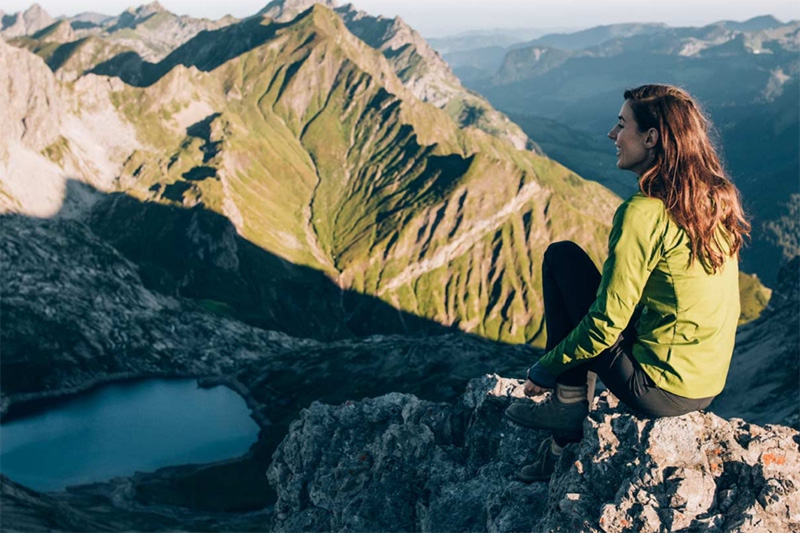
column 563, row 251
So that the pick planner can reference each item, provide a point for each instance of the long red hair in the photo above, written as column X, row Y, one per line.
column 687, row 174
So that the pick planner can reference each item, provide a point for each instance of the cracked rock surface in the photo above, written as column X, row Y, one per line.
column 400, row 463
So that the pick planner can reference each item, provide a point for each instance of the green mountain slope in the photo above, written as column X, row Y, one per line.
column 70, row 60
column 318, row 153
column 418, row 65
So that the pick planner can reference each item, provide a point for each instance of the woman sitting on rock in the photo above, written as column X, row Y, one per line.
column 658, row 326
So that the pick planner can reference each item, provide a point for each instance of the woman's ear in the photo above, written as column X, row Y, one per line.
column 651, row 138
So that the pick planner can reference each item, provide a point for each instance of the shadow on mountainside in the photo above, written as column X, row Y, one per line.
column 206, row 51
column 195, row 253
column 218, row 280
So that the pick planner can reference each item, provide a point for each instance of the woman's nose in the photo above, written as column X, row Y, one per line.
column 612, row 134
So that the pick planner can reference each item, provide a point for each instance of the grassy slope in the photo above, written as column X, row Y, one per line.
column 74, row 58
column 445, row 223
column 753, row 297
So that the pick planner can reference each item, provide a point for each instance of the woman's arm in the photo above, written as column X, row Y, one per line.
column 634, row 249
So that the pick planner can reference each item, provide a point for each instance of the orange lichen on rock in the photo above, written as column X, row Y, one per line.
column 771, row 458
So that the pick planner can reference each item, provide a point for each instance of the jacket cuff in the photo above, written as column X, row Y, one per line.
column 541, row 376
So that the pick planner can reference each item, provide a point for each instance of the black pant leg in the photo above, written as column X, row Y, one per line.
column 625, row 378
column 569, row 282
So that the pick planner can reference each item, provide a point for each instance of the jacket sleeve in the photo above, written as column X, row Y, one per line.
column 634, row 249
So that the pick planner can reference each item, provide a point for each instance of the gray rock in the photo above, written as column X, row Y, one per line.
column 75, row 312
column 25, row 22
column 397, row 463
column 27, row 510
column 400, row 463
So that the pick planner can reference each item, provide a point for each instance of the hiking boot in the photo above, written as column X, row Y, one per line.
column 563, row 419
column 542, row 468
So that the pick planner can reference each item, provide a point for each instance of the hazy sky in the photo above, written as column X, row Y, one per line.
column 439, row 17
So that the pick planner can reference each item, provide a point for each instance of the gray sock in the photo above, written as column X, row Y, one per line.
column 571, row 394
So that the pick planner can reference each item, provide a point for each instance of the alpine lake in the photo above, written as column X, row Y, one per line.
column 122, row 428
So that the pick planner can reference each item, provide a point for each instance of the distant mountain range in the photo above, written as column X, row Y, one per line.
column 149, row 30
column 475, row 39
column 565, row 89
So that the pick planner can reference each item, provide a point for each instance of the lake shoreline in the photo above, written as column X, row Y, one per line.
column 35, row 405
column 23, row 404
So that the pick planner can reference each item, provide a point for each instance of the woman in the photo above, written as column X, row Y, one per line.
column 658, row 327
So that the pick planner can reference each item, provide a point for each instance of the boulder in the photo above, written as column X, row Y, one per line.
column 400, row 463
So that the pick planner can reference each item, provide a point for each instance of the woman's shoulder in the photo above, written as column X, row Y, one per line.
column 639, row 205
column 641, row 201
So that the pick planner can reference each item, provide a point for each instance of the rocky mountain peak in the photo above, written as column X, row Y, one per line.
column 59, row 32
column 35, row 12
column 286, row 10
column 134, row 16
column 27, row 22
column 146, row 10
column 36, row 18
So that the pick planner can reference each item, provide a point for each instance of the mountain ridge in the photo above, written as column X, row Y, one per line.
column 26, row 22
column 235, row 127
column 153, row 33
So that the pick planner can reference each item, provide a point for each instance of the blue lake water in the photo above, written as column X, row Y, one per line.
column 122, row 428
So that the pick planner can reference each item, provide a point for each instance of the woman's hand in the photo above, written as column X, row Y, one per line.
column 532, row 389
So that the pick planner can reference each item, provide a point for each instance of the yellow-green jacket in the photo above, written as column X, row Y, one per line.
column 688, row 323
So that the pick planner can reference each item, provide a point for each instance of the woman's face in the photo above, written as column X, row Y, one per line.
column 634, row 148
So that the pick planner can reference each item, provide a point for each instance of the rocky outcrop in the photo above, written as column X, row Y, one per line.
column 400, row 463
column 75, row 312
column 52, row 132
column 58, row 32
column 695, row 472
column 25, row 22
